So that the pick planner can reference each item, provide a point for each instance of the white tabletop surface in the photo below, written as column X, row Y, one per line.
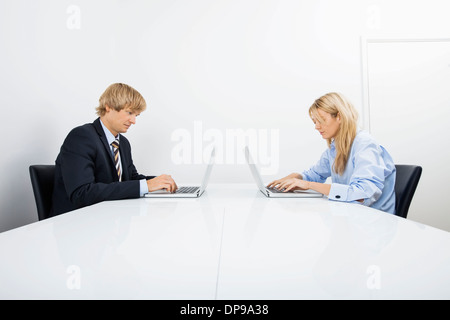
column 232, row 243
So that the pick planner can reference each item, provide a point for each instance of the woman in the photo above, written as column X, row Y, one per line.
column 361, row 170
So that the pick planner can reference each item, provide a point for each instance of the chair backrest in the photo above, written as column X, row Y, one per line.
column 42, row 180
column 407, row 179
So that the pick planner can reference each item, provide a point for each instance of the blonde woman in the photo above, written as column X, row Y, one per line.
column 361, row 170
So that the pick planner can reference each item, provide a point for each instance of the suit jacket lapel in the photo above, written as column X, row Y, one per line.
column 98, row 127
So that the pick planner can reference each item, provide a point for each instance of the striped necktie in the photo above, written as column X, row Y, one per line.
column 115, row 145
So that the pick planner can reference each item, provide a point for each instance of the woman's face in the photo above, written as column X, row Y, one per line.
column 327, row 125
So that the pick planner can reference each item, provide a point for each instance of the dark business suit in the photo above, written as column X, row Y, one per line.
column 85, row 172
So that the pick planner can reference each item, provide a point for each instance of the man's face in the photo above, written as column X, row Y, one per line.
column 119, row 121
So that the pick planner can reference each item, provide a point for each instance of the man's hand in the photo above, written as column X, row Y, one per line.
column 163, row 181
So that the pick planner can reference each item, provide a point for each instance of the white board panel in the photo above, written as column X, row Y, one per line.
column 407, row 90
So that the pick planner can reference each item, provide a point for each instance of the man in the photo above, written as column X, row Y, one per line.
column 95, row 163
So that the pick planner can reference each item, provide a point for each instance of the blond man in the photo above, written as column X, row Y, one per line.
column 95, row 163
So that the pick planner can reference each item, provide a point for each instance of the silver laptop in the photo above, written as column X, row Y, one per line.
column 272, row 192
column 187, row 191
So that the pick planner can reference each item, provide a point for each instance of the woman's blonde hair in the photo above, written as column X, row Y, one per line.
column 121, row 96
column 337, row 105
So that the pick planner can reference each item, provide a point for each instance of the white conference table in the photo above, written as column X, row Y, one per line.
column 230, row 244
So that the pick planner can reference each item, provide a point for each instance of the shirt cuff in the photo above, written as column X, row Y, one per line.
column 143, row 187
column 338, row 192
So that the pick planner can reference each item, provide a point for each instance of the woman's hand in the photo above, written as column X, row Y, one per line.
column 293, row 184
column 276, row 183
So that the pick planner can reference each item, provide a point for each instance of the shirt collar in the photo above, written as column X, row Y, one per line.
column 109, row 136
column 332, row 145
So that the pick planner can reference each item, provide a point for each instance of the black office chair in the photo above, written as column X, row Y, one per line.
column 42, row 180
column 406, row 182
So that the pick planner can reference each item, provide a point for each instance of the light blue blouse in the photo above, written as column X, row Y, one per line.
column 369, row 174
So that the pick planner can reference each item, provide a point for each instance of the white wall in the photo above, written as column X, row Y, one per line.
column 208, row 66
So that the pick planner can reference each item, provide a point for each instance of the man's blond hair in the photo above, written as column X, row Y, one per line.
column 121, row 96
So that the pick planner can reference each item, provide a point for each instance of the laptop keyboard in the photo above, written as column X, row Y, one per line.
column 187, row 190
column 273, row 190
